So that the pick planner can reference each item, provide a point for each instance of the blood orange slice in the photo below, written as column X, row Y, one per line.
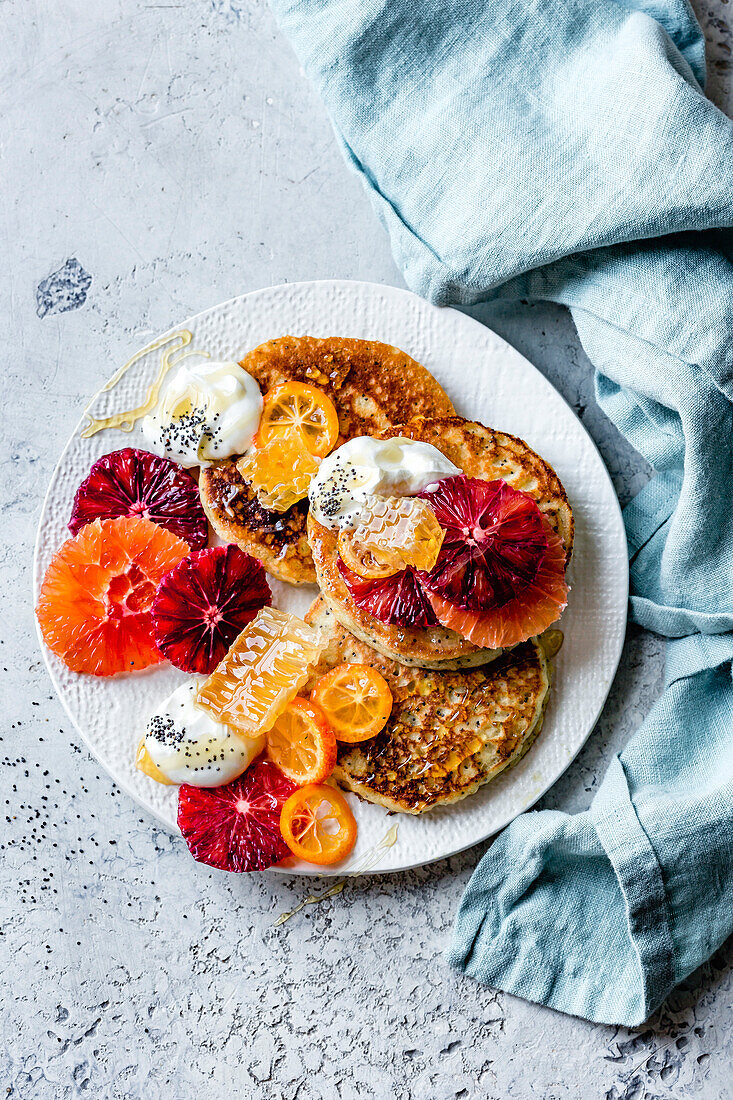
column 204, row 604
column 134, row 483
column 237, row 827
column 398, row 600
column 524, row 616
column 94, row 606
column 493, row 546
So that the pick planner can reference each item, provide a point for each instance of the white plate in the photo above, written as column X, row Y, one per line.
column 487, row 381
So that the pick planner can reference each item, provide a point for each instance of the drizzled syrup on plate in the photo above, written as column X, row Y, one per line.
column 169, row 358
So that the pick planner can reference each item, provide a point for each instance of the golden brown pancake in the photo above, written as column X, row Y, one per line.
column 278, row 539
column 449, row 732
column 479, row 452
column 373, row 386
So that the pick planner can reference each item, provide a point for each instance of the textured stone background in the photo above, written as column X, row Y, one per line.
column 163, row 157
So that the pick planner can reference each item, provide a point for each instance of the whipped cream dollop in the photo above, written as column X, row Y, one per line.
column 207, row 411
column 190, row 746
column 364, row 467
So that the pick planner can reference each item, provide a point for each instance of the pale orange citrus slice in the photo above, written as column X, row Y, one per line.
column 296, row 406
column 94, row 605
column 302, row 743
column 317, row 824
column 364, row 561
column 356, row 701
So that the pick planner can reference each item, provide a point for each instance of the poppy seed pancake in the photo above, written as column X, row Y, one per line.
column 449, row 733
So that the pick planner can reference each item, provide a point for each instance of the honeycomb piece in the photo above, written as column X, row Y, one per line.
column 280, row 472
column 391, row 533
column 264, row 669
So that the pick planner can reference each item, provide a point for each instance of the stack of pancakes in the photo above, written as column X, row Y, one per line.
column 461, row 714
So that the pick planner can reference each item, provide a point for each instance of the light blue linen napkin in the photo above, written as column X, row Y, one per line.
column 564, row 150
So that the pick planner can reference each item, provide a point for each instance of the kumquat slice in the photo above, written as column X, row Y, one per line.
column 302, row 743
column 296, row 405
column 356, row 700
column 317, row 824
column 363, row 560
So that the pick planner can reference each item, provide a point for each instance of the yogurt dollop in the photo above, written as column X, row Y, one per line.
column 190, row 746
column 207, row 411
column 364, row 467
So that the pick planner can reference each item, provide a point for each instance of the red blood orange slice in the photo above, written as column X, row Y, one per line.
column 493, row 546
column 94, row 606
column 398, row 600
column 204, row 603
column 134, row 483
column 524, row 616
column 237, row 827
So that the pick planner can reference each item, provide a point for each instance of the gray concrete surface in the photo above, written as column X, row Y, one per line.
column 175, row 152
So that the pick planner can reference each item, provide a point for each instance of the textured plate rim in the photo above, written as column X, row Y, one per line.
column 611, row 665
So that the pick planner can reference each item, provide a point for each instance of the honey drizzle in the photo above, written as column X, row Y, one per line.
column 126, row 421
column 312, row 899
column 369, row 860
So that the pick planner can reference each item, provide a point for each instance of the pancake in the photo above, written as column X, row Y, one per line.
column 479, row 452
column 449, row 733
column 373, row 386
